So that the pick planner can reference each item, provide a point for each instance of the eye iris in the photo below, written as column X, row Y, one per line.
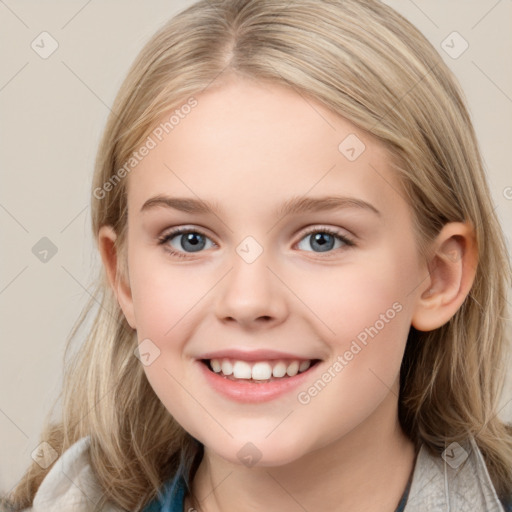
column 320, row 238
column 192, row 238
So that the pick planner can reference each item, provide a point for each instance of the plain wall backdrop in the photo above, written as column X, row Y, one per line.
column 53, row 110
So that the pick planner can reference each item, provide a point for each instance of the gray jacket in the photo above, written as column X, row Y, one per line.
column 456, row 482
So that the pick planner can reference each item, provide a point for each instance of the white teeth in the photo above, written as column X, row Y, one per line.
column 261, row 370
column 227, row 367
column 241, row 370
column 304, row 365
column 279, row 370
column 293, row 369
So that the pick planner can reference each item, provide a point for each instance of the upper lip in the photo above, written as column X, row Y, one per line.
column 252, row 355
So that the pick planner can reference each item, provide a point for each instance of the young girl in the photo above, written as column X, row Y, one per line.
column 333, row 337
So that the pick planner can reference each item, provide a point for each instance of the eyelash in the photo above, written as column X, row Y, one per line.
column 169, row 236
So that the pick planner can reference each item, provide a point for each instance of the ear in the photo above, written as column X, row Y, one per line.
column 452, row 268
column 118, row 279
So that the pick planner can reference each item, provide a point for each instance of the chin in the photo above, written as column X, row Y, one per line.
column 260, row 452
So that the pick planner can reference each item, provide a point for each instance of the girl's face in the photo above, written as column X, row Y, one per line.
column 276, row 272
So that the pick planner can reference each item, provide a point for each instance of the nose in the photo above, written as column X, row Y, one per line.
column 252, row 295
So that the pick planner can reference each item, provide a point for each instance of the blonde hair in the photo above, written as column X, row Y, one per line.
column 367, row 63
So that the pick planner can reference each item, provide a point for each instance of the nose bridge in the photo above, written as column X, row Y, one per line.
column 250, row 290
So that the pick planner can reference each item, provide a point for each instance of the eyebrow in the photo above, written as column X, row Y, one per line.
column 292, row 206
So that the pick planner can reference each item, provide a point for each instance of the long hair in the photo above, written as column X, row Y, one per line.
column 365, row 62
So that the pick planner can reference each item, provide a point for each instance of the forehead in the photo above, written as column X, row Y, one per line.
column 253, row 145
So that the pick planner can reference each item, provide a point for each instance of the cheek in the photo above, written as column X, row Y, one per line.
column 365, row 311
column 368, row 317
column 164, row 293
column 350, row 298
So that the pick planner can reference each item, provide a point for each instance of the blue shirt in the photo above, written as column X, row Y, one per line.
column 171, row 498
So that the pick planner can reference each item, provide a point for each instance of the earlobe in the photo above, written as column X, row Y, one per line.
column 452, row 270
column 112, row 264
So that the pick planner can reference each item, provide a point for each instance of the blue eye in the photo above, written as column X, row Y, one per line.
column 193, row 241
column 324, row 239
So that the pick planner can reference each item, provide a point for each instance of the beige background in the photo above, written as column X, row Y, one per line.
column 52, row 113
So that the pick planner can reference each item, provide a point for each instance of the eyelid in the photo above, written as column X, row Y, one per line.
column 342, row 233
column 186, row 228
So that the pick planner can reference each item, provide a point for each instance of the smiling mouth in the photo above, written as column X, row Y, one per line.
column 258, row 371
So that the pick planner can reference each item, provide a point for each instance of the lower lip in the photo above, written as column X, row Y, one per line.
column 253, row 392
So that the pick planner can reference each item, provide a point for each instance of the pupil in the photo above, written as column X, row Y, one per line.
column 324, row 245
column 194, row 240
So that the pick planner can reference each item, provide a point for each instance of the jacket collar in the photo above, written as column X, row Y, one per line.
column 71, row 484
column 458, row 481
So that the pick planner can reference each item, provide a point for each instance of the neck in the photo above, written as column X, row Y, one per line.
column 365, row 470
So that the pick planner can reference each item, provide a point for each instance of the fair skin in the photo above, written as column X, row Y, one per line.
column 250, row 147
